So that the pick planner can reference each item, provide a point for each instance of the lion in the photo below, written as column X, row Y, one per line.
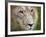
column 24, row 17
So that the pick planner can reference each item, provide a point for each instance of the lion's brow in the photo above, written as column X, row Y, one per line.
column 24, row 8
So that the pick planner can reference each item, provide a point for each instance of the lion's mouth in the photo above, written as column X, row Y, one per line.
column 29, row 26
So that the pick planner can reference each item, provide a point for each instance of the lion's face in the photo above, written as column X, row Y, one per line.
column 25, row 15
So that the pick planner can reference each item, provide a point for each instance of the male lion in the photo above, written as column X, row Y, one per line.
column 23, row 17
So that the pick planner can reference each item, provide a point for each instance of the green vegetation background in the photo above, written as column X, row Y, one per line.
column 38, row 23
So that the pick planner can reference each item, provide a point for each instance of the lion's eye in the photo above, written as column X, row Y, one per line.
column 21, row 11
column 32, row 10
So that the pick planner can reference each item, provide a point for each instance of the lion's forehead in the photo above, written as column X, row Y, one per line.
column 25, row 7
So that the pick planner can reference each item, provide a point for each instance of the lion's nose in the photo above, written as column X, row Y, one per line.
column 30, row 25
